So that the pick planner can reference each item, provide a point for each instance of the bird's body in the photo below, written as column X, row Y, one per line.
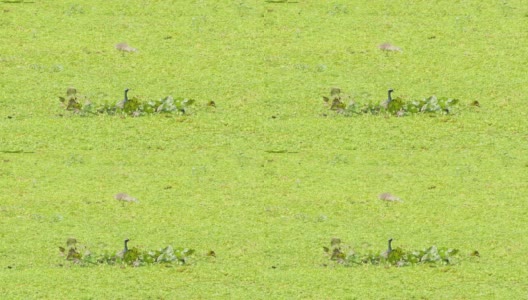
column 385, row 104
column 389, row 250
column 121, row 104
column 125, row 198
column 389, row 197
column 122, row 253
column 125, row 47
column 389, row 47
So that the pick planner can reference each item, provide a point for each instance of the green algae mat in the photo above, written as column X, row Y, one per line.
column 245, row 190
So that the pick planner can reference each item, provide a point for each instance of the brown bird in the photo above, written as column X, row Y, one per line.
column 389, row 197
column 389, row 47
column 125, row 47
column 125, row 198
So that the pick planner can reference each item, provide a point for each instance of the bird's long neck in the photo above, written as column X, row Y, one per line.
column 390, row 97
column 126, row 246
column 390, row 246
column 126, row 95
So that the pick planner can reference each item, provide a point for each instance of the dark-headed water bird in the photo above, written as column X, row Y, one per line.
column 124, row 251
column 386, row 103
column 121, row 104
column 389, row 250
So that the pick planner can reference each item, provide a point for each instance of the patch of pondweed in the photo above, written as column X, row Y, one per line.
column 432, row 256
column 79, row 254
column 344, row 104
column 135, row 107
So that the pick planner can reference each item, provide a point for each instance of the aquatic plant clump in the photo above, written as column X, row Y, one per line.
column 344, row 104
column 134, row 107
column 433, row 256
column 78, row 254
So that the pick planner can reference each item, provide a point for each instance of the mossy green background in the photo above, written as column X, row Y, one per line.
column 208, row 181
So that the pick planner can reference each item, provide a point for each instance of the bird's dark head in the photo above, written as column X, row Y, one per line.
column 127, row 89
column 390, row 240
column 126, row 241
column 391, row 90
